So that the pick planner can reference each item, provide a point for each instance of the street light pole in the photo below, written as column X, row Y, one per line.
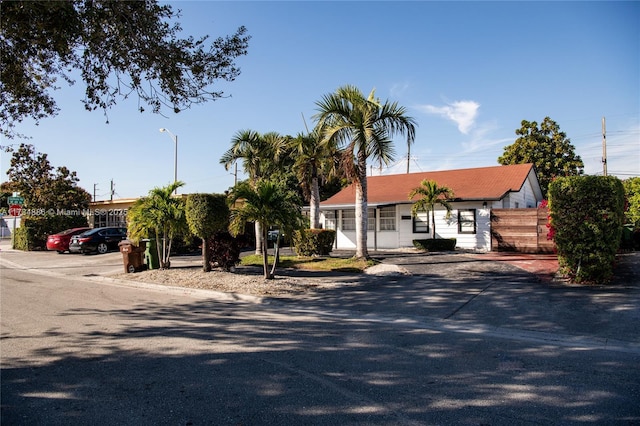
column 175, row 156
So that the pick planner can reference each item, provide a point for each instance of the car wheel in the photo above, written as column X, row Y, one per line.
column 102, row 248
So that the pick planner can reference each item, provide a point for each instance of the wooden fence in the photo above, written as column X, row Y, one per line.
column 520, row 230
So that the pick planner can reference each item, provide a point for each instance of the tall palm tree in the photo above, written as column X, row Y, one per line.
column 431, row 194
column 363, row 128
column 159, row 213
column 260, row 155
column 269, row 204
column 314, row 159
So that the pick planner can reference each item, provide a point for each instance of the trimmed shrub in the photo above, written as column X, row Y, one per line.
column 33, row 231
column 313, row 242
column 438, row 244
column 587, row 214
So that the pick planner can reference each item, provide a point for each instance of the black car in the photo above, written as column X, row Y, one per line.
column 97, row 240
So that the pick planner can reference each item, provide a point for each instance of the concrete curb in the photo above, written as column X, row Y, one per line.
column 180, row 291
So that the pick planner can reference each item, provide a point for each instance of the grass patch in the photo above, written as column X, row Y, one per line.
column 333, row 264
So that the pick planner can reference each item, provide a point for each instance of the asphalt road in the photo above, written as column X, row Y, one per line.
column 423, row 349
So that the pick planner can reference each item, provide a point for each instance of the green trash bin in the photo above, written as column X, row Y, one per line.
column 151, row 254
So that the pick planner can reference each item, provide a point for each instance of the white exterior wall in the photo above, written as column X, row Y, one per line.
column 525, row 198
column 403, row 236
column 448, row 228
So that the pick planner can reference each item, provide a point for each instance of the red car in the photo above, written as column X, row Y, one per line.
column 60, row 241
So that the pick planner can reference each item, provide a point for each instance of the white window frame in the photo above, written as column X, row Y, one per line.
column 371, row 219
column 387, row 218
column 330, row 219
column 348, row 220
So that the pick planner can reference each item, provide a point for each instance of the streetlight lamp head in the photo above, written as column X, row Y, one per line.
column 162, row 130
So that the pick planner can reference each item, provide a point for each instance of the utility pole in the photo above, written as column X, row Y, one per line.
column 112, row 190
column 604, row 147
column 95, row 187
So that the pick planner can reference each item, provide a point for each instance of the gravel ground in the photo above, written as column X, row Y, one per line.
column 245, row 280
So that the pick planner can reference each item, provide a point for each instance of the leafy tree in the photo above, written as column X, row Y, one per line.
column 431, row 194
column 32, row 175
column 163, row 215
column 547, row 148
column 632, row 194
column 206, row 214
column 119, row 48
column 362, row 128
column 314, row 159
column 269, row 204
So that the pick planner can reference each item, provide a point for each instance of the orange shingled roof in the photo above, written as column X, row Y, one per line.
column 483, row 183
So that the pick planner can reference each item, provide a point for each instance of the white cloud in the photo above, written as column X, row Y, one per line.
column 463, row 113
column 398, row 89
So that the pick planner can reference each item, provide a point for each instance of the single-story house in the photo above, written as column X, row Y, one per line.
column 391, row 224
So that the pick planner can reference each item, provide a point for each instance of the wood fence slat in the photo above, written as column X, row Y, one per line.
column 523, row 230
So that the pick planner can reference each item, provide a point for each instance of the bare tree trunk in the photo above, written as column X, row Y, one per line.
column 206, row 266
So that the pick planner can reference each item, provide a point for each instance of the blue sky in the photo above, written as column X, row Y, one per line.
column 468, row 72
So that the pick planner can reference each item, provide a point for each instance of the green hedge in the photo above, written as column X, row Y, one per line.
column 438, row 244
column 33, row 231
column 313, row 242
column 587, row 216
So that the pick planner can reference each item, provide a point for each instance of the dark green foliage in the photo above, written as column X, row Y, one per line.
column 587, row 214
column 313, row 242
column 438, row 244
column 43, row 186
column 224, row 250
column 549, row 149
column 632, row 193
column 119, row 48
column 206, row 214
column 33, row 231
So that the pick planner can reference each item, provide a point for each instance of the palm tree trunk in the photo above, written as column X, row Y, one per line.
column 314, row 204
column 159, row 249
column 433, row 222
column 361, row 208
column 276, row 255
column 169, row 251
column 265, row 256
column 259, row 238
